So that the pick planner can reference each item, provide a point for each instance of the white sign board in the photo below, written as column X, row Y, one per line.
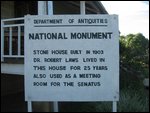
column 72, row 58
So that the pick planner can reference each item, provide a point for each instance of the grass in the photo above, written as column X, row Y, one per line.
column 133, row 102
column 129, row 102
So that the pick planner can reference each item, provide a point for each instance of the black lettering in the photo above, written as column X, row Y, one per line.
column 40, row 52
column 39, row 76
column 36, row 60
column 39, row 67
column 68, row 83
column 98, row 52
column 55, row 84
column 39, row 83
column 91, row 35
column 100, row 68
column 67, row 76
column 75, row 51
column 45, row 36
column 52, row 59
column 87, row 51
column 87, row 67
column 57, row 68
column 74, row 76
column 71, row 60
column 75, row 68
column 86, row 84
column 61, row 52
column 55, row 75
column 89, row 59
column 101, row 59
column 89, row 75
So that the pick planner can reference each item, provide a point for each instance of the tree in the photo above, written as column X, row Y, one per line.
column 134, row 52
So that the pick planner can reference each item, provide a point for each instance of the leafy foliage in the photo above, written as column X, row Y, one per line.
column 134, row 53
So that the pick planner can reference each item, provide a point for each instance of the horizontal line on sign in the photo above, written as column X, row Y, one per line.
column 69, row 25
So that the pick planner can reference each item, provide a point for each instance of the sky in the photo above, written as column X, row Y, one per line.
column 133, row 16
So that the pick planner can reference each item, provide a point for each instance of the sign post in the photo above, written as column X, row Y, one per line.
column 114, row 106
column 29, row 106
column 72, row 58
column 50, row 12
